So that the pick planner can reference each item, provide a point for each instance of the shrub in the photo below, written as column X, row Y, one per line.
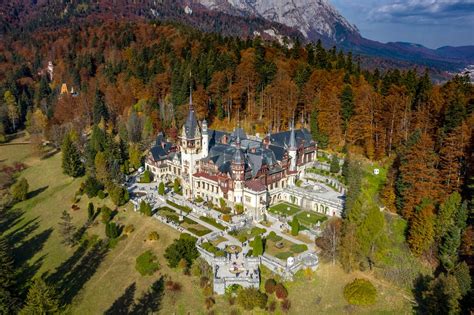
column 101, row 194
column 198, row 199
column 176, row 186
column 226, row 217
column 153, row 236
column 295, row 226
column 92, row 187
column 298, row 248
column 249, row 298
column 19, row 190
column 184, row 247
column 274, row 237
column 119, row 195
column 285, row 305
column 147, row 263
column 281, row 292
column 239, row 208
column 270, row 286
column 209, row 302
column 112, row 230
column 360, row 292
column 129, row 229
column 106, row 214
column 147, row 177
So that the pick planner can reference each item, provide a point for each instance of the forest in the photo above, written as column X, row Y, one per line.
column 131, row 81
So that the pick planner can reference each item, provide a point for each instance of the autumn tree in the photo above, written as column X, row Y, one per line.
column 421, row 231
column 418, row 177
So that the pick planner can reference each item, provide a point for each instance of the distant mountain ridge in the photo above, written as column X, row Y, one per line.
column 308, row 20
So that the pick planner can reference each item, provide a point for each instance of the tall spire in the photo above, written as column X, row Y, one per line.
column 191, row 96
column 292, row 143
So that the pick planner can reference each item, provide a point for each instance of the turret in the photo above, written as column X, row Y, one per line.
column 238, row 162
column 191, row 133
column 292, row 148
column 205, row 139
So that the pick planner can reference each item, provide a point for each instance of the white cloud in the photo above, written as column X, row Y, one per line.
column 425, row 11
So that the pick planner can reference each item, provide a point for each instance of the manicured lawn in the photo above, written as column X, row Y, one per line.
column 289, row 249
column 308, row 218
column 212, row 222
column 285, row 209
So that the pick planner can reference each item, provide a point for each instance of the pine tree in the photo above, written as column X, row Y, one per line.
column 41, row 299
column 90, row 211
column 100, row 109
column 295, row 226
column 418, row 176
column 347, row 105
column 421, row 228
column 7, row 279
column 67, row 229
column 334, row 167
column 161, row 189
column 71, row 161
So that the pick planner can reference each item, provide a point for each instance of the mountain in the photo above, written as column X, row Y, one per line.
column 308, row 20
column 313, row 18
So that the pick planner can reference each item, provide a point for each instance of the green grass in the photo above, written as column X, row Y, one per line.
column 212, row 222
column 309, row 218
column 147, row 263
column 282, row 209
column 183, row 208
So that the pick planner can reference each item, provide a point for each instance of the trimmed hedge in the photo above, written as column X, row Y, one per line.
column 360, row 292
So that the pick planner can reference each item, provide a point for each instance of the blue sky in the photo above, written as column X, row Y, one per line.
column 432, row 23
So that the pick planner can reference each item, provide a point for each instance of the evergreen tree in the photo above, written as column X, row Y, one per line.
column 421, row 228
column 257, row 246
column 112, row 231
column 99, row 110
column 90, row 211
column 176, row 186
column 71, row 161
column 334, row 167
column 7, row 279
column 41, row 299
column 347, row 105
column 442, row 296
column 67, row 229
column 19, row 190
column 161, row 188
column 295, row 226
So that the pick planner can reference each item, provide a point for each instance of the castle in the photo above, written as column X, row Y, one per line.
column 247, row 171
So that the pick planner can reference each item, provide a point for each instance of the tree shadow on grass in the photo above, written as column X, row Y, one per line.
column 124, row 302
column 61, row 271
column 149, row 302
column 36, row 192
column 74, row 280
column 9, row 218
column 28, row 248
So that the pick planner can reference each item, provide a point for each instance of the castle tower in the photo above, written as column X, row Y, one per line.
column 191, row 144
column 238, row 172
column 292, row 148
column 205, row 140
column 292, row 154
